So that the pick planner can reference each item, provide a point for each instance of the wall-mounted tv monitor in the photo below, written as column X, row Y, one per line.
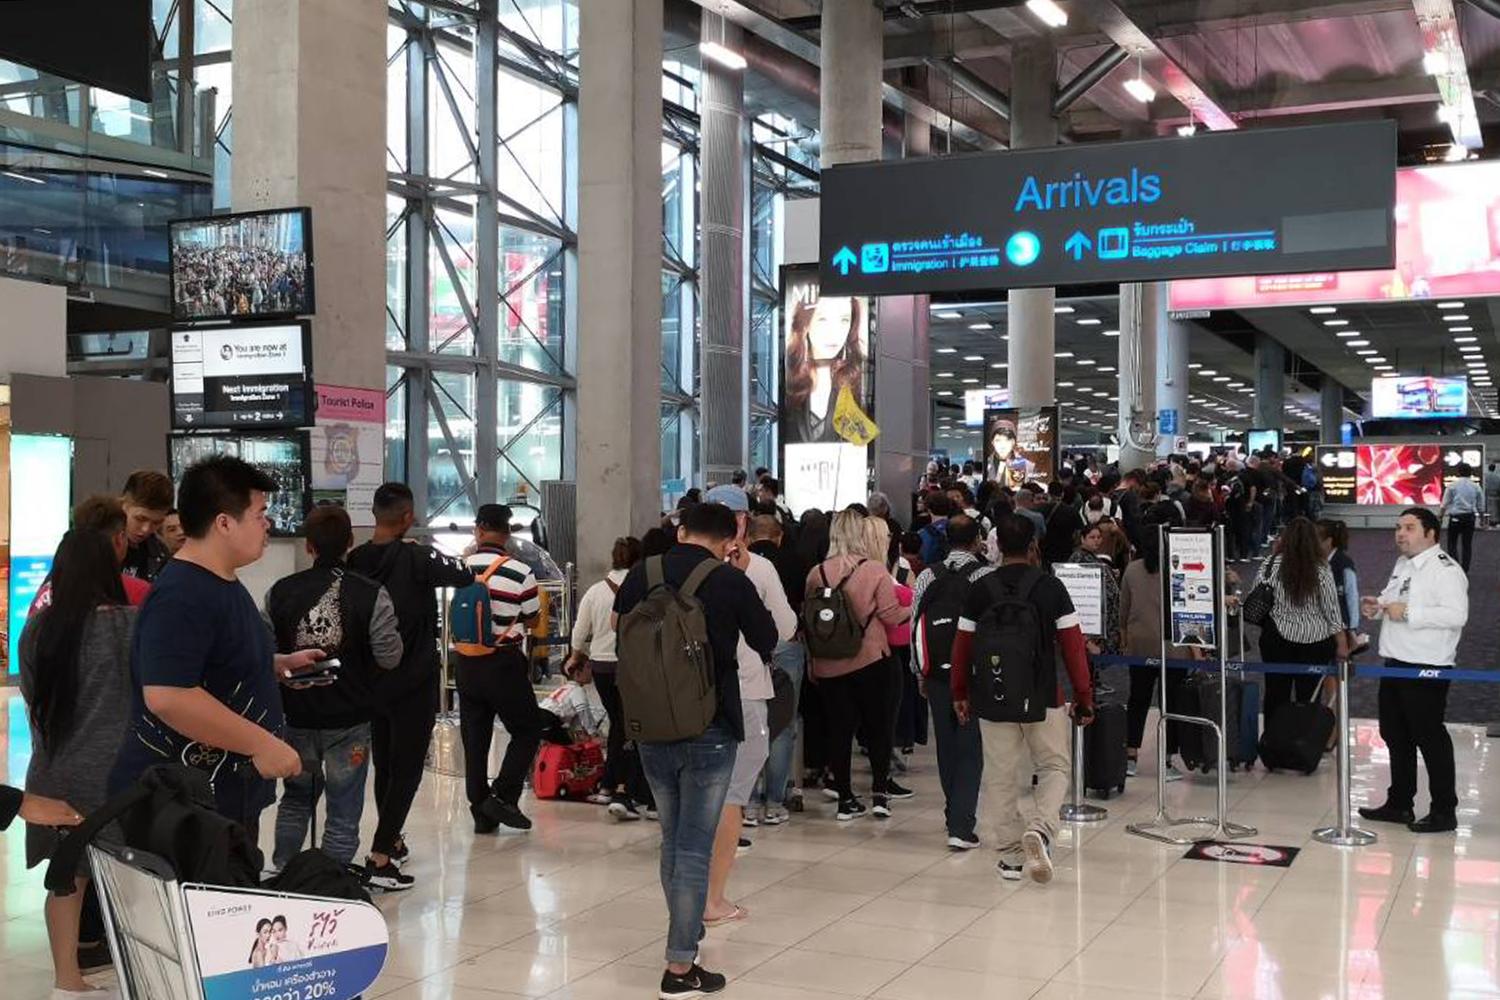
column 976, row 401
column 1257, row 440
column 1393, row 474
column 242, row 377
column 286, row 457
column 1420, row 397
column 252, row 265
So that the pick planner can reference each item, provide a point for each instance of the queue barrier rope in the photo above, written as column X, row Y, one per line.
column 1491, row 676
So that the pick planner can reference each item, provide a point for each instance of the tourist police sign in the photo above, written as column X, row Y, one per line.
column 1259, row 201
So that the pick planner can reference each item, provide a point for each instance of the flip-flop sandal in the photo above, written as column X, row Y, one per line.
column 738, row 913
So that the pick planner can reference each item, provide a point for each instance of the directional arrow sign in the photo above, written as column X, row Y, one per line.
column 1077, row 244
column 1194, row 567
column 844, row 259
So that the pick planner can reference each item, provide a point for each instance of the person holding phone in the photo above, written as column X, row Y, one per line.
column 329, row 706
column 1422, row 610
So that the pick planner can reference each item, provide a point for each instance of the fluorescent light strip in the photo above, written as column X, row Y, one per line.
column 723, row 55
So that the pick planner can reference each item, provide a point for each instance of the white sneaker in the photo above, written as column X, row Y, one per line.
column 1131, row 766
column 962, row 843
column 775, row 816
column 1173, row 774
column 751, row 818
column 1038, row 856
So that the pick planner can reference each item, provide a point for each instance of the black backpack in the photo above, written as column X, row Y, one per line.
column 1009, row 667
column 829, row 625
column 169, row 813
column 938, row 612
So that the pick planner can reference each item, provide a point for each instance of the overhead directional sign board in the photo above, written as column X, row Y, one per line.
column 1260, row 201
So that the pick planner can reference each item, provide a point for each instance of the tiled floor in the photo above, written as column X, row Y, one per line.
column 574, row 912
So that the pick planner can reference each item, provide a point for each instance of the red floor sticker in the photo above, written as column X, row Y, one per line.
column 1262, row 855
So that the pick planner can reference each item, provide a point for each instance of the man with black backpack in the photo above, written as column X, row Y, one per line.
column 680, row 617
column 938, row 601
column 1016, row 622
column 406, row 698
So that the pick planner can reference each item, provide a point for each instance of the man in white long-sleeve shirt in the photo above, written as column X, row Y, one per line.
column 756, row 692
column 1424, row 608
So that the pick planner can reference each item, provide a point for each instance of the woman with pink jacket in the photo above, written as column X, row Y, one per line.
column 858, row 689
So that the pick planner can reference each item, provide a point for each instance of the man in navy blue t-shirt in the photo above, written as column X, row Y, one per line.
column 203, row 660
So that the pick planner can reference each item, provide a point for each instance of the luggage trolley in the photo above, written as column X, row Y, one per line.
column 182, row 941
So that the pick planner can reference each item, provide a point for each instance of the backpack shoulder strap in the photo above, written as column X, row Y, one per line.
column 847, row 575
column 655, row 573
column 697, row 576
column 614, row 588
column 493, row 569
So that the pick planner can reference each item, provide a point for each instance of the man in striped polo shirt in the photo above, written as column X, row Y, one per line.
column 498, row 683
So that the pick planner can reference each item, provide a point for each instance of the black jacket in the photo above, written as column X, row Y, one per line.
column 145, row 561
column 790, row 568
column 348, row 616
column 412, row 574
column 10, row 804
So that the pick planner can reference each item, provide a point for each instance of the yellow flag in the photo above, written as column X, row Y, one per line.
column 852, row 423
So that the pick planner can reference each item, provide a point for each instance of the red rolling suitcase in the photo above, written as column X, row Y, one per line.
column 569, row 771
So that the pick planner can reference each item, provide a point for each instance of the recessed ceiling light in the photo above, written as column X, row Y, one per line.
column 971, row 381
column 1455, row 317
column 998, row 364
column 1464, row 340
column 1195, row 364
column 1322, row 310
column 1221, row 378
column 981, row 326
column 1062, row 310
column 947, row 350
column 945, row 392
column 950, row 314
column 1085, row 361
column 973, row 357
column 1450, row 305
column 1460, row 329
column 944, row 374
column 1091, row 322
column 1063, row 354
column 1346, row 334
column 1335, row 322
column 1368, row 351
column 1359, row 343
column 1111, row 333
column 1065, row 385
column 1470, row 349
column 1106, row 368
column 1207, row 371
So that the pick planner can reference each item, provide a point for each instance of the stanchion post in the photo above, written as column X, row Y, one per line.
column 1345, row 834
column 1076, row 810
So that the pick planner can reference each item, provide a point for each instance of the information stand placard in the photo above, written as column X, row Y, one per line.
column 1085, row 585
column 1190, row 599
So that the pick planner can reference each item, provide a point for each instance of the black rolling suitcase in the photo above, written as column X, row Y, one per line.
column 1104, row 752
column 1296, row 736
column 1200, row 696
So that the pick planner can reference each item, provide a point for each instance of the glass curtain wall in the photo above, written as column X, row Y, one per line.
column 481, row 237
column 679, row 273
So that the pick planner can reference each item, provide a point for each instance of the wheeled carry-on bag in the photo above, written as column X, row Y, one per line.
column 1198, row 744
column 567, row 771
column 1296, row 736
column 1104, row 757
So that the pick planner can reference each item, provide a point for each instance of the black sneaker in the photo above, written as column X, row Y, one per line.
column 742, row 848
column 387, row 877
column 850, row 808
column 895, row 791
column 622, row 809
column 1011, row 871
column 400, row 852
column 696, row 982
column 497, row 814
column 881, row 808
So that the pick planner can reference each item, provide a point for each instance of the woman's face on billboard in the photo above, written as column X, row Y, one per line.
column 829, row 329
column 1003, row 446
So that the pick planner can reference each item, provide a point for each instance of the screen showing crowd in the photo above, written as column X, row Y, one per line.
column 241, row 266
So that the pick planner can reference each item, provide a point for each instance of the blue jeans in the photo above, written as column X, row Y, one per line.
column 334, row 762
column 777, row 778
column 690, row 780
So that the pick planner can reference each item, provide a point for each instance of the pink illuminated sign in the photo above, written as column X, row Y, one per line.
column 1447, row 246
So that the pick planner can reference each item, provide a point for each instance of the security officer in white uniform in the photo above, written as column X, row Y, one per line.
column 1425, row 606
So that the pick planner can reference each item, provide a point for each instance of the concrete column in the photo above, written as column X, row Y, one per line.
column 724, row 404
column 852, row 56
column 309, row 129
column 619, row 269
column 1032, row 371
column 1171, row 370
column 1332, row 398
column 1141, row 314
column 41, row 311
column 1270, row 382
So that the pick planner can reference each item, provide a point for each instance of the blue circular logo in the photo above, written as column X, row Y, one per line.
column 1023, row 248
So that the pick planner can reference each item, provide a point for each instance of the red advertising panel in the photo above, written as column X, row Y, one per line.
column 1447, row 246
column 1393, row 474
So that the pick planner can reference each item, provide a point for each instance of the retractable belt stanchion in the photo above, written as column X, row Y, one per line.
column 1076, row 810
column 1345, row 834
column 1162, row 825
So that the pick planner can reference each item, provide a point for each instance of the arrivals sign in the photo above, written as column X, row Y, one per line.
column 1263, row 201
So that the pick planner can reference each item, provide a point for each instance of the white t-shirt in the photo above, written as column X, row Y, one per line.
column 755, row 676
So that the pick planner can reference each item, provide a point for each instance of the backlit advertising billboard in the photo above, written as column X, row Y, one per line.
column 1021, row 445
column 1447, row 246
column 1419, row 397
column 1393, row 474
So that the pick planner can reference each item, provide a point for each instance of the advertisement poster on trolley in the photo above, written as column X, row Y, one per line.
column 253, row 945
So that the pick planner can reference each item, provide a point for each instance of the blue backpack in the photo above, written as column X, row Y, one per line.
column 470, row 621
